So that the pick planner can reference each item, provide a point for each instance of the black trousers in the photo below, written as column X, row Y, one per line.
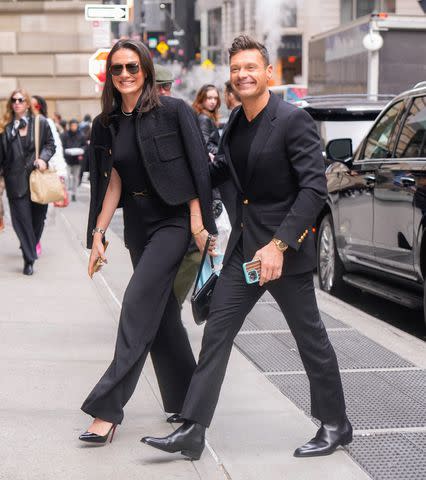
column 157, row 237
column 232, row 300
column 28, row 222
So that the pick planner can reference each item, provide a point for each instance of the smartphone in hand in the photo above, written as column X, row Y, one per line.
column 99, row 261
column 252, row 271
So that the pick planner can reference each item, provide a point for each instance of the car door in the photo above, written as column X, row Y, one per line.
column 397, row 180
column 356, row 197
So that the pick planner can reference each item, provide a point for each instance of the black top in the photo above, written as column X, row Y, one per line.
column 240, row 139
column 127, row 158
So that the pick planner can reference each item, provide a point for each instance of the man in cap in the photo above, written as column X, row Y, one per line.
column 163, row 80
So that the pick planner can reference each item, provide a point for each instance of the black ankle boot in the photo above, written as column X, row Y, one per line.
column 188, row 439
column 28, row 268
column 175, row 418
column 327, row 439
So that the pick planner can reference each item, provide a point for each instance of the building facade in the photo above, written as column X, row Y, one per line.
column 45, row 48
column 285, row 26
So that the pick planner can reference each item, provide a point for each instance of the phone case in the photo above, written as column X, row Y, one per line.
column 252, row 271
column 99, row 261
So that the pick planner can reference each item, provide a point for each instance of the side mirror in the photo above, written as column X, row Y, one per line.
column 339, row 150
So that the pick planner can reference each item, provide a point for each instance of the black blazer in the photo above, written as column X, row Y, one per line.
column 15, row 165
column 284, row 189
column 173, row 153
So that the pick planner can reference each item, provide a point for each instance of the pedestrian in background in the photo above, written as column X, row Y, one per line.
column 1, row 202
column 163, row 80
column 231, row 97
column 18, row 159
column 57, row 118
column 149, row 154
column 74, row 149
column 206, row 106
column 57, row 162
column 85, row 128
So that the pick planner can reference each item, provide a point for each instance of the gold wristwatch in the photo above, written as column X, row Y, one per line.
column 282, row 246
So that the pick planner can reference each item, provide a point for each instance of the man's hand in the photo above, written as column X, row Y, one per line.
column 272, row 262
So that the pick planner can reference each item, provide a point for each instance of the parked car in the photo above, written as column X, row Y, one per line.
column 372, row 232
column 344, row 115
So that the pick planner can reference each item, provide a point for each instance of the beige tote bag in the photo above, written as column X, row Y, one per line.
column 46, row 187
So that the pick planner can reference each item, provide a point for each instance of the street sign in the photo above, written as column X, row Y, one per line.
column 113, row 13
column 97, row 65
column 152, row 42
column 162, row 47
column 208, row 64
column 101, row 34
column 173, row 42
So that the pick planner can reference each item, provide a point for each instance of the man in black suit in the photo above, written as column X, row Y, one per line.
column 273, row 152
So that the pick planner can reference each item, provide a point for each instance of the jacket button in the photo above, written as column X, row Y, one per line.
column 246, row 202
column 242, row 224
column 106, row 174
column 110, row 151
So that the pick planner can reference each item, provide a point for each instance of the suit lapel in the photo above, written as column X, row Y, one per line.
column 225, row 142
column 262, row 134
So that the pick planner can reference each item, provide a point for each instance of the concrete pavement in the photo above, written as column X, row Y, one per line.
column 57, row 334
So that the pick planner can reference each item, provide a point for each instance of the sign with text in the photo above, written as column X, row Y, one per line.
column 112, row 13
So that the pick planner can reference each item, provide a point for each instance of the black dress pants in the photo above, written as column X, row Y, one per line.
column 28, row 222
column 232, row 300
column 150, row 321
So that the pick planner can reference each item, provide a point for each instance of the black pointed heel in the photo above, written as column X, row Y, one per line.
column 94, row 438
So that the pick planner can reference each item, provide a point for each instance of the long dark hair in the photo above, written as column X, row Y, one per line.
column 200, row 99
column 111, row 97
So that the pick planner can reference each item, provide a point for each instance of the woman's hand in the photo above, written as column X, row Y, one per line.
column 98, row 250
column 201, row 239
column 40, row 164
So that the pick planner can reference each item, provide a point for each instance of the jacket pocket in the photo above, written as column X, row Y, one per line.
column 169, row 146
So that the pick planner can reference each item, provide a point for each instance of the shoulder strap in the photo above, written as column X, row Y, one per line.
column 37, row 136
column 203, row 258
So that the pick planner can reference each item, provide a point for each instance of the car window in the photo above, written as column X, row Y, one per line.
column 378, row 144
column 412, row 141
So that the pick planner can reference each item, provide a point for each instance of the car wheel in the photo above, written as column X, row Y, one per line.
column 329, row 266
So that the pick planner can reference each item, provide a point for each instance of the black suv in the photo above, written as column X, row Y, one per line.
column 371, row 234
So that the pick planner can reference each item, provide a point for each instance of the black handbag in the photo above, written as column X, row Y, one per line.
column 200, row 299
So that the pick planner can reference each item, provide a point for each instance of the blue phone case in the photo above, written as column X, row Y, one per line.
column 250, row 273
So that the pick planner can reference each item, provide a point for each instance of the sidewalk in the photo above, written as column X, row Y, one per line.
column 58, row 331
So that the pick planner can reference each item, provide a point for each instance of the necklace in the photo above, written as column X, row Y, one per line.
column 125, row 113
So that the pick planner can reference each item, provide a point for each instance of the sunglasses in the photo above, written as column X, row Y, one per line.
column 117, row 69
column 17, row 100
column 164, row 86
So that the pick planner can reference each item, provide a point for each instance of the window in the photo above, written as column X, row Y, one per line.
column 379, row 144
column 412, row 141
column 352, row 9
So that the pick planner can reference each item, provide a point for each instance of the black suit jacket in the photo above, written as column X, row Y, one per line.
column 173, row 153
column 284, row 189
column 16, row 166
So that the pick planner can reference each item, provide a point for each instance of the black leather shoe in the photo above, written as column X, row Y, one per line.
column 175, row 418
column 327, row 439
column 90, row 437
column 188, row 439
column 28, row 268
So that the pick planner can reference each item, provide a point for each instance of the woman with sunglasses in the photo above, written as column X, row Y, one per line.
column 17, row 158
column 148, row 157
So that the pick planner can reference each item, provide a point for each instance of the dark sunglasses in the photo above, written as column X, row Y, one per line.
column 117, row 69
column 164, row 86
column 17, row 100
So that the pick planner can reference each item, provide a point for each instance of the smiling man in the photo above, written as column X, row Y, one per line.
column 274, row 160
